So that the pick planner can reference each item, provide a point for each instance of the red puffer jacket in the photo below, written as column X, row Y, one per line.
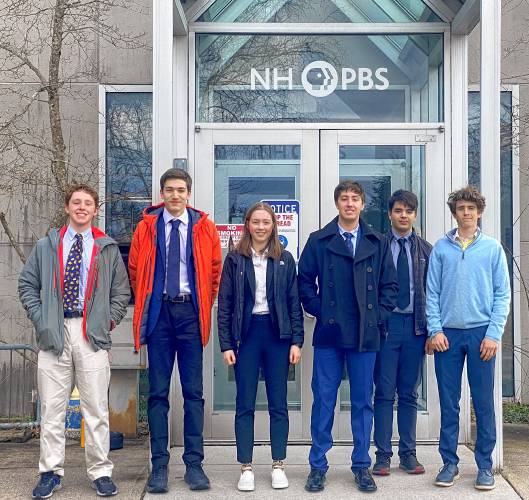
column 142, row 259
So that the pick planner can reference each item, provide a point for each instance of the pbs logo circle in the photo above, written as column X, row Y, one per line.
column 319, row 79
column 283, row 240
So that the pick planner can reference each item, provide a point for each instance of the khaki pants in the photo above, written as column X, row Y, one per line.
column 92, row 377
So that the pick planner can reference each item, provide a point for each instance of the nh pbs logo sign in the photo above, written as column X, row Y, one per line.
column 320, row 79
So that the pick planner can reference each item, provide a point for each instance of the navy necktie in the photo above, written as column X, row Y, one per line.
column 72, row 273
column 349, row 243
column 173, row 261
column 403, row 276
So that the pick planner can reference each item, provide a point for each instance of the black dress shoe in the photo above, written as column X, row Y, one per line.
column 157, row 482
column 315, row 481
column 364, row 480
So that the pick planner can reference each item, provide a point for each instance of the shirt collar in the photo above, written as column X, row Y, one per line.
column 71, row 233
column 260, row 255
column 457, row 237
column 183, row 218
column 354, row 232
column 397, row 236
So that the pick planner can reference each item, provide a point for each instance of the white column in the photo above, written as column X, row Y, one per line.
column 162, row 99
column 490, row 161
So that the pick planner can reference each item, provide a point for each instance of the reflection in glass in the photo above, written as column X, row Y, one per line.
column 506, row 214
column 319, row 11
column 381, row 170
column 244, row 175
column 128, row 161
column 352, row 78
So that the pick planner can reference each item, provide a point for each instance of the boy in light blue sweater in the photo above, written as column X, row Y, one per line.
column 467, row 303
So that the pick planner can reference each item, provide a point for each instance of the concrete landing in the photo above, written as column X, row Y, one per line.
column 223, row 472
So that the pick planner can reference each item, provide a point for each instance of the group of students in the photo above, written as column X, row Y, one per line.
column 381, row 302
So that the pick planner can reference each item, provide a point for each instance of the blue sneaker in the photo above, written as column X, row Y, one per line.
column 485, row 480
column 316, row 480
column 48, row 483
column 196, row 478
column 105, row 487
column 447, row 474
column 157, row 482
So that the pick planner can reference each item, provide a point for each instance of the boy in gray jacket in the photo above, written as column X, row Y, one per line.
column 75, row 290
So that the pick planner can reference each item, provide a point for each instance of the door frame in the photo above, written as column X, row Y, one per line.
column 428, row 421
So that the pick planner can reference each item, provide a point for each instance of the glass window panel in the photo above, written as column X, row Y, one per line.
column 128, row 161
column 506, row 192
column 319, row 11
column 319, row 78
column 244, row 175
column 381, row 170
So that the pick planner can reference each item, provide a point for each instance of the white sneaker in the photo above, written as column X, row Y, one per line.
column 279, row 478
column 246, row 481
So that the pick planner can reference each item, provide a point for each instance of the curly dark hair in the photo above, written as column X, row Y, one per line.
column 73, row 188
column 468, row 193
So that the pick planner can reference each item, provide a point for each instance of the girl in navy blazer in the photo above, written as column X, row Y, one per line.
column 260, row 325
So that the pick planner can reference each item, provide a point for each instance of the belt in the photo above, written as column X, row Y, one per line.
column 73, row 314
column 179, row 299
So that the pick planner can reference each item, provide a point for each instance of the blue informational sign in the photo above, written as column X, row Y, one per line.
column 287, row 215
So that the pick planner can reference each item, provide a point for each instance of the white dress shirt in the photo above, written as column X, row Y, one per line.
column 354, row 232
column 259, row 266
column 185, row 288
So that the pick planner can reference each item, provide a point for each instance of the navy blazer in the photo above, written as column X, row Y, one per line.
column 420, row 255
column 326, row 273
column 237, row 298
column 158, row 283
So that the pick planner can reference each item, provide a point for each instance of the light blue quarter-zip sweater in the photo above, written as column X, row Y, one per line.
column 468, row 288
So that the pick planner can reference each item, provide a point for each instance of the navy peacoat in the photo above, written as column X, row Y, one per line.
column 327, row 274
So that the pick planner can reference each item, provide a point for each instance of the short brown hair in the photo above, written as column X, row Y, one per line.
column 468, row 193
column 176, row 173
column 349, row 185
column 244, row 247
column 73, row 188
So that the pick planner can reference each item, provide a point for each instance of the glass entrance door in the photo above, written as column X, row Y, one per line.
column 384, row 161
column 235, row 169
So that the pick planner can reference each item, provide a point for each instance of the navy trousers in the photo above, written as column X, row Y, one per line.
column 326, row 378
column 398, row 369
column 448, row 370
column 177, row 333
column 261, row 347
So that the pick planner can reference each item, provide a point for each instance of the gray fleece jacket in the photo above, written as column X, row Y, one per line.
column 40, row 288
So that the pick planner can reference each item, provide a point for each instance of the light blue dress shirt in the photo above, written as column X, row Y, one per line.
column 88, row 247
column 354, row 232
column 395, row 249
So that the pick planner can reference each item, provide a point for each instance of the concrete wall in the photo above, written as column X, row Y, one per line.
column 26, row 194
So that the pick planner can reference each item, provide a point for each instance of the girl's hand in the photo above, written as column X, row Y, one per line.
column 229, row 357
column 295, row 354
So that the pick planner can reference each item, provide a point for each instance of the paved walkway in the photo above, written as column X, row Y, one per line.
column 223, row 473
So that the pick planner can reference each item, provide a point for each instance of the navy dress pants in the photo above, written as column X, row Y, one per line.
column 261, row 347
column 398, row 370
column 448, row 370
column 326, row 378
column 177, row 333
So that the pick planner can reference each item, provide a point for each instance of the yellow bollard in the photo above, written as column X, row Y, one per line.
column 82, row 432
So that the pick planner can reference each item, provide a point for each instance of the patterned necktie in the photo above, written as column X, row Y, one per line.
column 403, row 276
column 349, row 243
column 72, row 274
column 173, row 261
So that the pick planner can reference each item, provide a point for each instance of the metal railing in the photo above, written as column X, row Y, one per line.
column 28, row 387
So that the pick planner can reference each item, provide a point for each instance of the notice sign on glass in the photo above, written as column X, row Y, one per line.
column 287, row 215
column 230, row 234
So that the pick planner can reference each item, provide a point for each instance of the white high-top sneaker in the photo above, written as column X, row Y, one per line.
column 246, row 481
column 279, row 478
